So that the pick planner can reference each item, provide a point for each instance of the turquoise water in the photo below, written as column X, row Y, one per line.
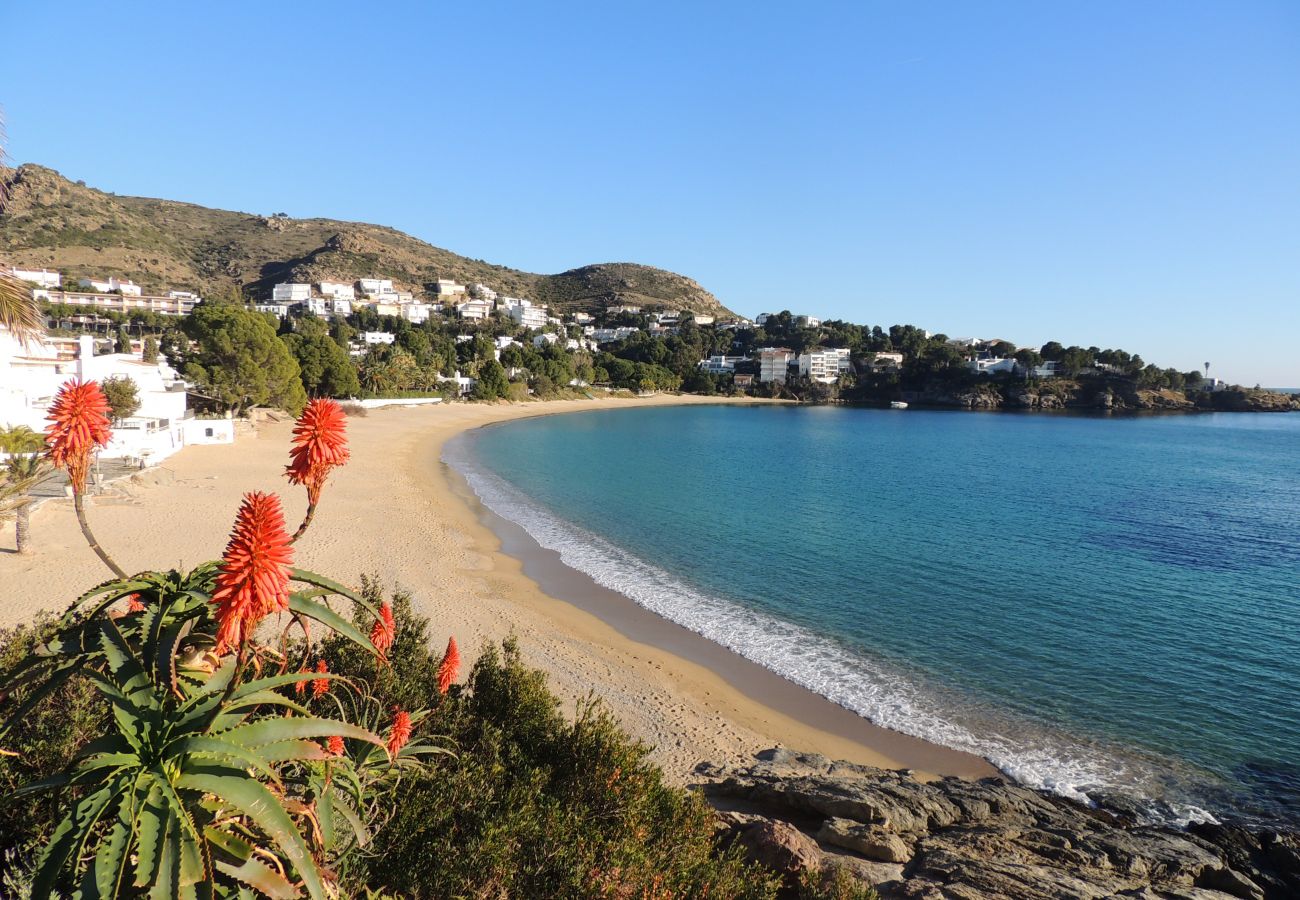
column 1097, row 605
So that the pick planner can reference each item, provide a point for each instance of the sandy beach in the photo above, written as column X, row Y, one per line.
column 397, row 512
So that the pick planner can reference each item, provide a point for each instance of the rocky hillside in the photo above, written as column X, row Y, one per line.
column 52, row 222
column 960, row 840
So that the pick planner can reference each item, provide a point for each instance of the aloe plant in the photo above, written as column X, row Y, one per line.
column 213, row 781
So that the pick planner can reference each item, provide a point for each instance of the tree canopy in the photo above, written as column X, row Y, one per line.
column 239, row 361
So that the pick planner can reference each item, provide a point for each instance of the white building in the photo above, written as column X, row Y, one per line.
column 704, row 320
column 31, row 376
column 374, row 287
column 340, row 306
column 337, row 290
column 275, row 309
column 609, row 335
column 991, row 365
column 546, row 339
column 317, row 306
column 112, row 285
column 807, row 321
column 719, row 365
column 483, row 292
column 887, row 360
column 416, row 313
column 761, row 318
column 631, row 310
column 474, row 309
column 774, row 364
column 290, row 293
column 825, row 365
column 39, row 277
column 122, row 303
column 445, row 288
column 377, row 337
column 582, row 318
column 184, row 295
column 529, row 316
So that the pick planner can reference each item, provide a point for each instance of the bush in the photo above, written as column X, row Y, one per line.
column 532, row 804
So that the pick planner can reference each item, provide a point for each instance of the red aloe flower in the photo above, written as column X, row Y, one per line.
column 334, row 745
column 320, row 443
column 449, row 667
column 78, row 425
column 401, row 732
column 300, row 686
column 133, row 604
column 320, row 686
column 254, row 577
column 384, row 631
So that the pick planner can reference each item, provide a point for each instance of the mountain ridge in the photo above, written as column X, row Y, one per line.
column 52, row 222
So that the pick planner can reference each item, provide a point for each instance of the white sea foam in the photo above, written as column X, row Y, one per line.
column 1027, row 753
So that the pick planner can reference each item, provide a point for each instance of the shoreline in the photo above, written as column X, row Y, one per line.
column 692, row 700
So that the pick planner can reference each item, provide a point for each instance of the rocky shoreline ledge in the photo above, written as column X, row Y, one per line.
column 1097, row 396
column 960, row 840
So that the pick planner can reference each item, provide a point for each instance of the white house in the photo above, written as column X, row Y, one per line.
column 445, row 288
column 290, row 293
column 373, row 287
column 474, row 309
column 416, row 313
column 609, row 335
column 807, row 321
column 545, row 339
column 825, row 365
column 113, row 284
column 39, row 277
column 31, row 376
column 337, row 290
column 378, row 337
column 774, row 364
column 340, row 306
column 582, row 318
column 631, row 310
column 991, row 365
column 704, row 320
column 483, row 292
column 275, row 309
column 883, row 361
column 718, row 365
column 317, row 306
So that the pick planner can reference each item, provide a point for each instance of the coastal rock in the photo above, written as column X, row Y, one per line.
column 871, row 841
column 781, row 847
column 990, row 838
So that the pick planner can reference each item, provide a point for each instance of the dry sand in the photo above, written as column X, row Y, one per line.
column 396, row 511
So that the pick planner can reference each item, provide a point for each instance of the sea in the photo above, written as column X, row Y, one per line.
column 1107, row 607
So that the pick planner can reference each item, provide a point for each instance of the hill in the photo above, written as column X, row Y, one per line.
column 56, row 223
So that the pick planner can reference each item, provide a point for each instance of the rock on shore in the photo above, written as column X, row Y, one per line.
column 960, row 840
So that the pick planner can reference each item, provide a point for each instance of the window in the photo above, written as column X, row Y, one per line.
column 208, row 432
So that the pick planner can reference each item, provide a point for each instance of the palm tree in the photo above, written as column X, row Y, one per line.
column 20, row 475
column 21, row 439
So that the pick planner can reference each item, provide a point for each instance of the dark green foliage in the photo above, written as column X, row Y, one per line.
column 150, row 349
column 122, row 394
column 491, row 383
column 239, row 361
column 533, row 804
column 325, row 367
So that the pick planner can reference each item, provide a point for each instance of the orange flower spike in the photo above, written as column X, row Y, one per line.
column 449, row 668
column 401, row 732
column 254, row 577
column 384, row 631
column 319, row 444
column 320, row 686
column 335, row 745
column 79, row 424
column 300, row 686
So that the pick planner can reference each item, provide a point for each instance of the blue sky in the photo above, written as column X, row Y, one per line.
column 1112, row 173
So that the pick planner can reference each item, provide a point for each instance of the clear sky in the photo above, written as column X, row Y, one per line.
column 1124, row 174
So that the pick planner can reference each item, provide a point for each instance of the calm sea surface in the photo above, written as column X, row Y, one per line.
column 1097, row 605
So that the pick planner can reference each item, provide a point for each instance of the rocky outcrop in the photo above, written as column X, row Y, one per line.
column 959, row 840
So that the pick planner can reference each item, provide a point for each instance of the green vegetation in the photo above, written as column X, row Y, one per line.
column 324, row 366
column 123, row 396
column 239, row 361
